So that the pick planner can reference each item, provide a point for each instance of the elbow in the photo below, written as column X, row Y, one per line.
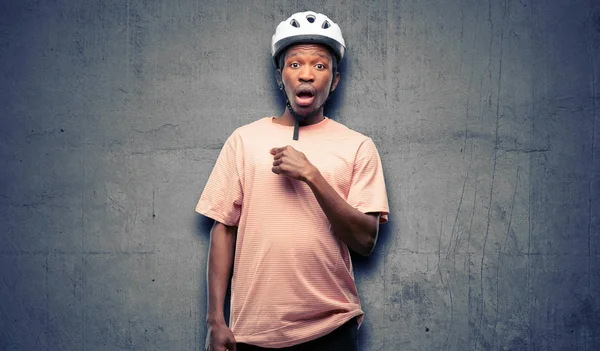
column 366, row 252
column 370, row 240
column 367, row 248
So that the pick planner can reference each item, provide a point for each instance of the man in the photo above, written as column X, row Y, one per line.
column 289, row 196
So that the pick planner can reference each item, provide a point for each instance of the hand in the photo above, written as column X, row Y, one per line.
column 219, row 338
column 291, row 163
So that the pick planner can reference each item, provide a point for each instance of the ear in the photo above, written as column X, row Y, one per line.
column 279, row 79
column 336, row 80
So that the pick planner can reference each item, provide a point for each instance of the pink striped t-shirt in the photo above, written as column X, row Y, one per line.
column 292, row 278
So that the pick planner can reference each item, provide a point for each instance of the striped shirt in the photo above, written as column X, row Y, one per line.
column 292, row 278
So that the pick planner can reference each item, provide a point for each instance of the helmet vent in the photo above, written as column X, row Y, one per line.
column 325, row 24
column 310, row 18
column 295, row 23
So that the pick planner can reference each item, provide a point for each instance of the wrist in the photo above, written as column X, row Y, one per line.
column 212, row 321
column 311, row 175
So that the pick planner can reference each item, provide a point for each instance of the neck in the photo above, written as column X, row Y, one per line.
column 287, row 119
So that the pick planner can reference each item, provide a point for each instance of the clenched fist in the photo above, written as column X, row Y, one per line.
column 292, row 163
column 219, row 338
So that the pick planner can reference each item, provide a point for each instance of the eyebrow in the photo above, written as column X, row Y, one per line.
column 314, row 53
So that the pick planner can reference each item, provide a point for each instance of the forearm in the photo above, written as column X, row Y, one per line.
column 358, row 230
column 220, row 262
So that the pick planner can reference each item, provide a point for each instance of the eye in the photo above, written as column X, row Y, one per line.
column 320, row 66
column 294, row 65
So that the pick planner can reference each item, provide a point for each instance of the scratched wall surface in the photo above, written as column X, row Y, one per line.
column 485, row 113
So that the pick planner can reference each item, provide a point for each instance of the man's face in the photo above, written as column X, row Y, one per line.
column 307, row 77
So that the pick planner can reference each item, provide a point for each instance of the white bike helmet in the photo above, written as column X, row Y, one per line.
column 307, row 27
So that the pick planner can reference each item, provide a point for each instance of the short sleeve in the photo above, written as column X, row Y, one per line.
column 367, row 191
column 222, row 197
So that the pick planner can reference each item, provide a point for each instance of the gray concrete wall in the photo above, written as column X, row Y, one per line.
column 486, row 116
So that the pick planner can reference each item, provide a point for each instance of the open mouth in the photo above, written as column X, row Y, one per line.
column 305, row 96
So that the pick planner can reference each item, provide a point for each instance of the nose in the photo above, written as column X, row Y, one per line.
column 306, row 74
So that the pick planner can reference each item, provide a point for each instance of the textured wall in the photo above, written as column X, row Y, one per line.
column 486, row 116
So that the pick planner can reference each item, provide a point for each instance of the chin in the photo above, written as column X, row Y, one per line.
column 304, row 117
column 303, row 113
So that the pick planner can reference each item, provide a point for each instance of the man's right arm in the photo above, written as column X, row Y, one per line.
column 220, row 262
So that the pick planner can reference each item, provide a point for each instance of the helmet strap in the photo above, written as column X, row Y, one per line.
column 297, row 117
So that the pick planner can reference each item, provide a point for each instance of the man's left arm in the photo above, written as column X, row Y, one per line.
column 357, row 229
